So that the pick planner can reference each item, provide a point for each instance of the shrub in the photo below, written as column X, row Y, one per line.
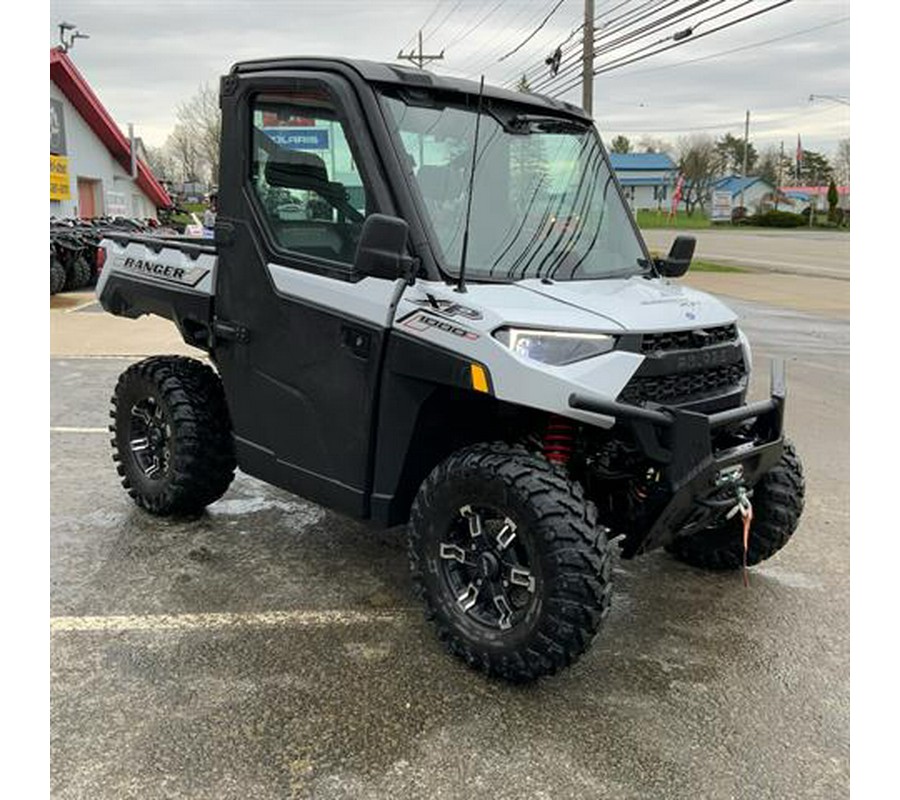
column 779, row 219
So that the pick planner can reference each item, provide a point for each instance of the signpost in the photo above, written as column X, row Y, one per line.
column 720, row 210
column 59, row 178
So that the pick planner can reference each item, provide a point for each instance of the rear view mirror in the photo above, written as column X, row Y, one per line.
column 381, row 251
column 679, row 259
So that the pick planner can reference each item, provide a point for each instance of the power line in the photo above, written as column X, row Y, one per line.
column 575, row 47
column 534, row 32
column 635, row 35
column 610, row 66
column 443, row 20
column 740, row 49
column 475, row 67
column 424, row 25
column 477, row 25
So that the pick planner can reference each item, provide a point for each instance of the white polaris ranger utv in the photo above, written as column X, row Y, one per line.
column 458, row 327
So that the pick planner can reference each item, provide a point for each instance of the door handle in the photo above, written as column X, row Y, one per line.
column 231, row 331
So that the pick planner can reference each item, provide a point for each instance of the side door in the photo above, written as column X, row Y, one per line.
column 299, row 335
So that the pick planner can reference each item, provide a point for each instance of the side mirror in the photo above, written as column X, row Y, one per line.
column 679, row 259
column 381, row 251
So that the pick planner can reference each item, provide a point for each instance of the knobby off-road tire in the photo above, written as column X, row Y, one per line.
column 492, row 513
column 172, row 435
column 777, row 506
column 57, row 276
column 79, row 274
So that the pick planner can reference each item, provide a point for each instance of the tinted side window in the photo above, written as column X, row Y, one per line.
column 305, row 177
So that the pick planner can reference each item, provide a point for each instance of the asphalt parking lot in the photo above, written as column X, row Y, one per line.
column 270, row 648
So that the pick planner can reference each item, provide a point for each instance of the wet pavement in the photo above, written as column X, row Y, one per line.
column 272, row 649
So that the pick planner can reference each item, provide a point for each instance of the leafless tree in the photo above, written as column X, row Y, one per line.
column 182, row 149
column 652, row 144
column 842, row 162
column 161, row 163
column 697, row 161
column 200, row 119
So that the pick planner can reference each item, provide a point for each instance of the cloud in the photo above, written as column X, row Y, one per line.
column 143, row 59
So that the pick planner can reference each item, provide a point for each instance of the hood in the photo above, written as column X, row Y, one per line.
column 638, row 304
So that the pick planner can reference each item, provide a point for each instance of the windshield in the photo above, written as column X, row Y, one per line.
column 544, row 202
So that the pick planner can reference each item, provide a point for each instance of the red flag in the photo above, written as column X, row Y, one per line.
column 676, row 195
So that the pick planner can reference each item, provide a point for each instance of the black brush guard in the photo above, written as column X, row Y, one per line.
column 681, row 442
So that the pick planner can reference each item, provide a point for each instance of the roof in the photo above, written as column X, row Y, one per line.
column 736, row 184
column 641, row 161
column 403, row 75
column 817, row 190
column 659, row 180
column 76, row 89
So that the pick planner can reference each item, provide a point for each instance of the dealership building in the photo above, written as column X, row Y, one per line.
column 92, row 170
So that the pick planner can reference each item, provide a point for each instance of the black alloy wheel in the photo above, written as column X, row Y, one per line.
column 509, row 560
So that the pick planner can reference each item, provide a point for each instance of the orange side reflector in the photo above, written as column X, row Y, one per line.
column 479, row 378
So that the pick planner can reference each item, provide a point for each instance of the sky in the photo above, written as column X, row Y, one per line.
column 144, row 58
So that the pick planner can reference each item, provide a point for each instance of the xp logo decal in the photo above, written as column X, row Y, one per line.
column 448, row 307
column 421, row 322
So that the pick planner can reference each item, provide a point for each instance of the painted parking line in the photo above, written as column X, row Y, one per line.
column 264, row 619
column 67, row 429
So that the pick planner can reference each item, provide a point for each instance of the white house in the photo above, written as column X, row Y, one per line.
column 90, row 157
column 647, row 179
column 756, row 194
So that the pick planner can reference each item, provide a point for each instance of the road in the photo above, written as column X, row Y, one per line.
column 272, row 649
column 817, row 252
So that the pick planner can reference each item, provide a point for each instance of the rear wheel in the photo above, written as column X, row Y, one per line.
column 79, row 274
column 57, row 276
column 172, row 435
column 510, row 562
column 777, row 506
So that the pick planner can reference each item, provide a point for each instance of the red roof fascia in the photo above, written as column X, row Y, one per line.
column 73, row 85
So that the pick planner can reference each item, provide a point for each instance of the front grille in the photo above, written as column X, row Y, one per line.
column 687, row 340
column 686, row 387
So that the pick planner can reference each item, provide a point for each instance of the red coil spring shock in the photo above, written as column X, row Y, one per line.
column 559, row 440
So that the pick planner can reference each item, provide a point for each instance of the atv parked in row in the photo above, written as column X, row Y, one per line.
column 463, row 332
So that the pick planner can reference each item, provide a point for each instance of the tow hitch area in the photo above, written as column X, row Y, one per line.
column 698, row 483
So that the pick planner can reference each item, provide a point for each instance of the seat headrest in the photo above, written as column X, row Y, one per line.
column 296, row 170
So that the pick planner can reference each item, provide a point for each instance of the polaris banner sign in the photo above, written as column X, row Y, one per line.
column 299, row 138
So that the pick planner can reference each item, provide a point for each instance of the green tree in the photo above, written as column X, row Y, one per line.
column 620, row 144
column 832, row 200
column 815, row 169
column 730, row 152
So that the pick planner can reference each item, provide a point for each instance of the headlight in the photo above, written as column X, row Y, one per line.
column 555, row 347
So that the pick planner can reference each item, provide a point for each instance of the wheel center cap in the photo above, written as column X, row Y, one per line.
column 488, row 565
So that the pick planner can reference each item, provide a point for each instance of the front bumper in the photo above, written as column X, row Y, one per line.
column 681, row 442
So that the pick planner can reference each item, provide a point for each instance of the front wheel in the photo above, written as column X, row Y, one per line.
column 507, row 555
column 777, row 506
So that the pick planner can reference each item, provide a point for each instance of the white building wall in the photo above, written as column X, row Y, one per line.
column 89, row 158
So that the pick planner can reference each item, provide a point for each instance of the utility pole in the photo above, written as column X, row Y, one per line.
column 420, row 59
column 587, row 59
column 780, row 178
column 746, row 142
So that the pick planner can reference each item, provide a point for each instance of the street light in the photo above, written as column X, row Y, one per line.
column 64, row 45
column 834, row 97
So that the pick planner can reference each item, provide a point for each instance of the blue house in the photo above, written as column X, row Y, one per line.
column 648, row 179
column 757, row 193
